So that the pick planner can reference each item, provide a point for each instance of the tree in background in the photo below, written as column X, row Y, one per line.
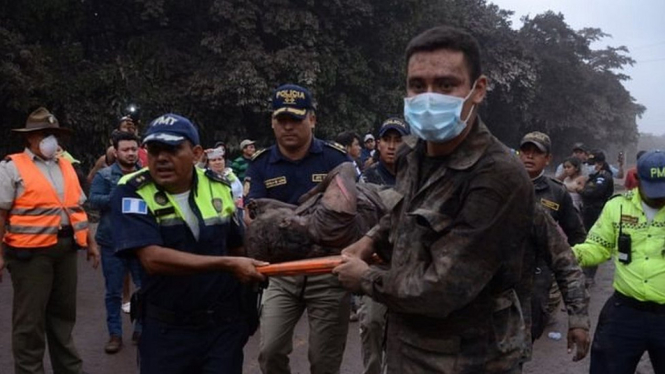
column 578, row 95
column 217, row 61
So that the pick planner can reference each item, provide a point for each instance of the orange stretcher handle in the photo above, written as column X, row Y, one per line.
column 310, row 266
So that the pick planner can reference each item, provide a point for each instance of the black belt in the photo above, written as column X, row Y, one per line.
column 645, row 306
column 224, row 313
column 66, row 232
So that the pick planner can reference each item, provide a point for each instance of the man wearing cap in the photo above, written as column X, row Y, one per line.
column 126, row 147
column 372, row 314
column 42, row 223
column 125, row 124
column 390, row 137
column 597, row 189
column 285, row 171
column 367, row 153
column 180, row 222
column 631, row 229
column 535, row 153
column 458, row 234
column 240, row 164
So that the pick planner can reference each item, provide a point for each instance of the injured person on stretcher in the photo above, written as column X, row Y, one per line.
column 331, row 216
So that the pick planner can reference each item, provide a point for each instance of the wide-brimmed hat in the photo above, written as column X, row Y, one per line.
column 42, row 119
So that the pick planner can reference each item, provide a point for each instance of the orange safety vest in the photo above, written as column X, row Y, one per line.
column 34, row 219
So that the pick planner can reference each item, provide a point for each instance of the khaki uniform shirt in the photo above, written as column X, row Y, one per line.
column 458, row 237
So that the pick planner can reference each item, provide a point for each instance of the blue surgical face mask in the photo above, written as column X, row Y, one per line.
column 435, row 117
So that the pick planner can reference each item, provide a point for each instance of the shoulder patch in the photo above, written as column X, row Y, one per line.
column 137, row 179
column 132, row 205
column 217, row 177
column 628, row 195
column 336, row 146
column 259, row 153
column 555, row 180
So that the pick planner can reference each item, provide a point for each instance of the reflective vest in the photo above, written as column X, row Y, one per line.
column 212, row 198
column 34, row 219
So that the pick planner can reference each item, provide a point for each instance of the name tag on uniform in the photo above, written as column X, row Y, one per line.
column 629, row 219
column 549, row 204
column 274, row 182
column 133, row 205
column 318, row 178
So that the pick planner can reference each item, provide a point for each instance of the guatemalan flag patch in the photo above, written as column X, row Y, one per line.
column 133, row 205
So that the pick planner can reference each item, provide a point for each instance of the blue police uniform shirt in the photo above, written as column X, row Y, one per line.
column 271, row 175
column 183, row 293
column 378, row 174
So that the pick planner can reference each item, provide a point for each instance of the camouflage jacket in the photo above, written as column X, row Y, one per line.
column 550, row 247
column 458, row 237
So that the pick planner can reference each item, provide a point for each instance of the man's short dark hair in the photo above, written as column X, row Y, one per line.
column 119, row 136
column 446, row 37
column 346, row 138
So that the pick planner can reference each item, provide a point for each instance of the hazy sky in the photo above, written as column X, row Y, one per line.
column 637, row 24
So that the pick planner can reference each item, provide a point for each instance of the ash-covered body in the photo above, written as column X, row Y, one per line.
column 331, row 216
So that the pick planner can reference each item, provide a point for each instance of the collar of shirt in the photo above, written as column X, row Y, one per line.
column 637, row 200
column 540, row 182
column 34, row 157
column 275, row 155
column 388, row 176
column 115, row 168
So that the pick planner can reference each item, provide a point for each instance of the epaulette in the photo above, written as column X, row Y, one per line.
column 336, row 146
column 139, row 179
column 217, row 177
column 627, row 194
column 259, row 153
column 555, row 180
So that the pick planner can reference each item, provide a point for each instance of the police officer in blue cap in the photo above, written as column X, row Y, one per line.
column 284, row 172
column 180, row 222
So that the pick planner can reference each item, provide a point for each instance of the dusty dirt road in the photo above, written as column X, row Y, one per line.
column 549, row 356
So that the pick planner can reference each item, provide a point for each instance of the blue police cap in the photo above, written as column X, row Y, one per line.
column 292, row 100
column 394, row 123
column 171, row 129
column 651, row 172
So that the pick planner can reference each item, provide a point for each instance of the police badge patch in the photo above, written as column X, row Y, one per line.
column 217, row 204
column 160, row 198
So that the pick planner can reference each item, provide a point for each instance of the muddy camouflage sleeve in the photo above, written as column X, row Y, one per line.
column 559, row 257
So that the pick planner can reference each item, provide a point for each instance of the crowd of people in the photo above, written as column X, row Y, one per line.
column 476, row 244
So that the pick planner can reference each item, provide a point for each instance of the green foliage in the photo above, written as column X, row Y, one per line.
column 578, row 95
column 217, row 62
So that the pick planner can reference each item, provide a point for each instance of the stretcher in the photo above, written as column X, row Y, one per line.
column 310, row 266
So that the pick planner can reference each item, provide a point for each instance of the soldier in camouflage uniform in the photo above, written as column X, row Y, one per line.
column 550, row 248
column 460, row 231
column 535, row 153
